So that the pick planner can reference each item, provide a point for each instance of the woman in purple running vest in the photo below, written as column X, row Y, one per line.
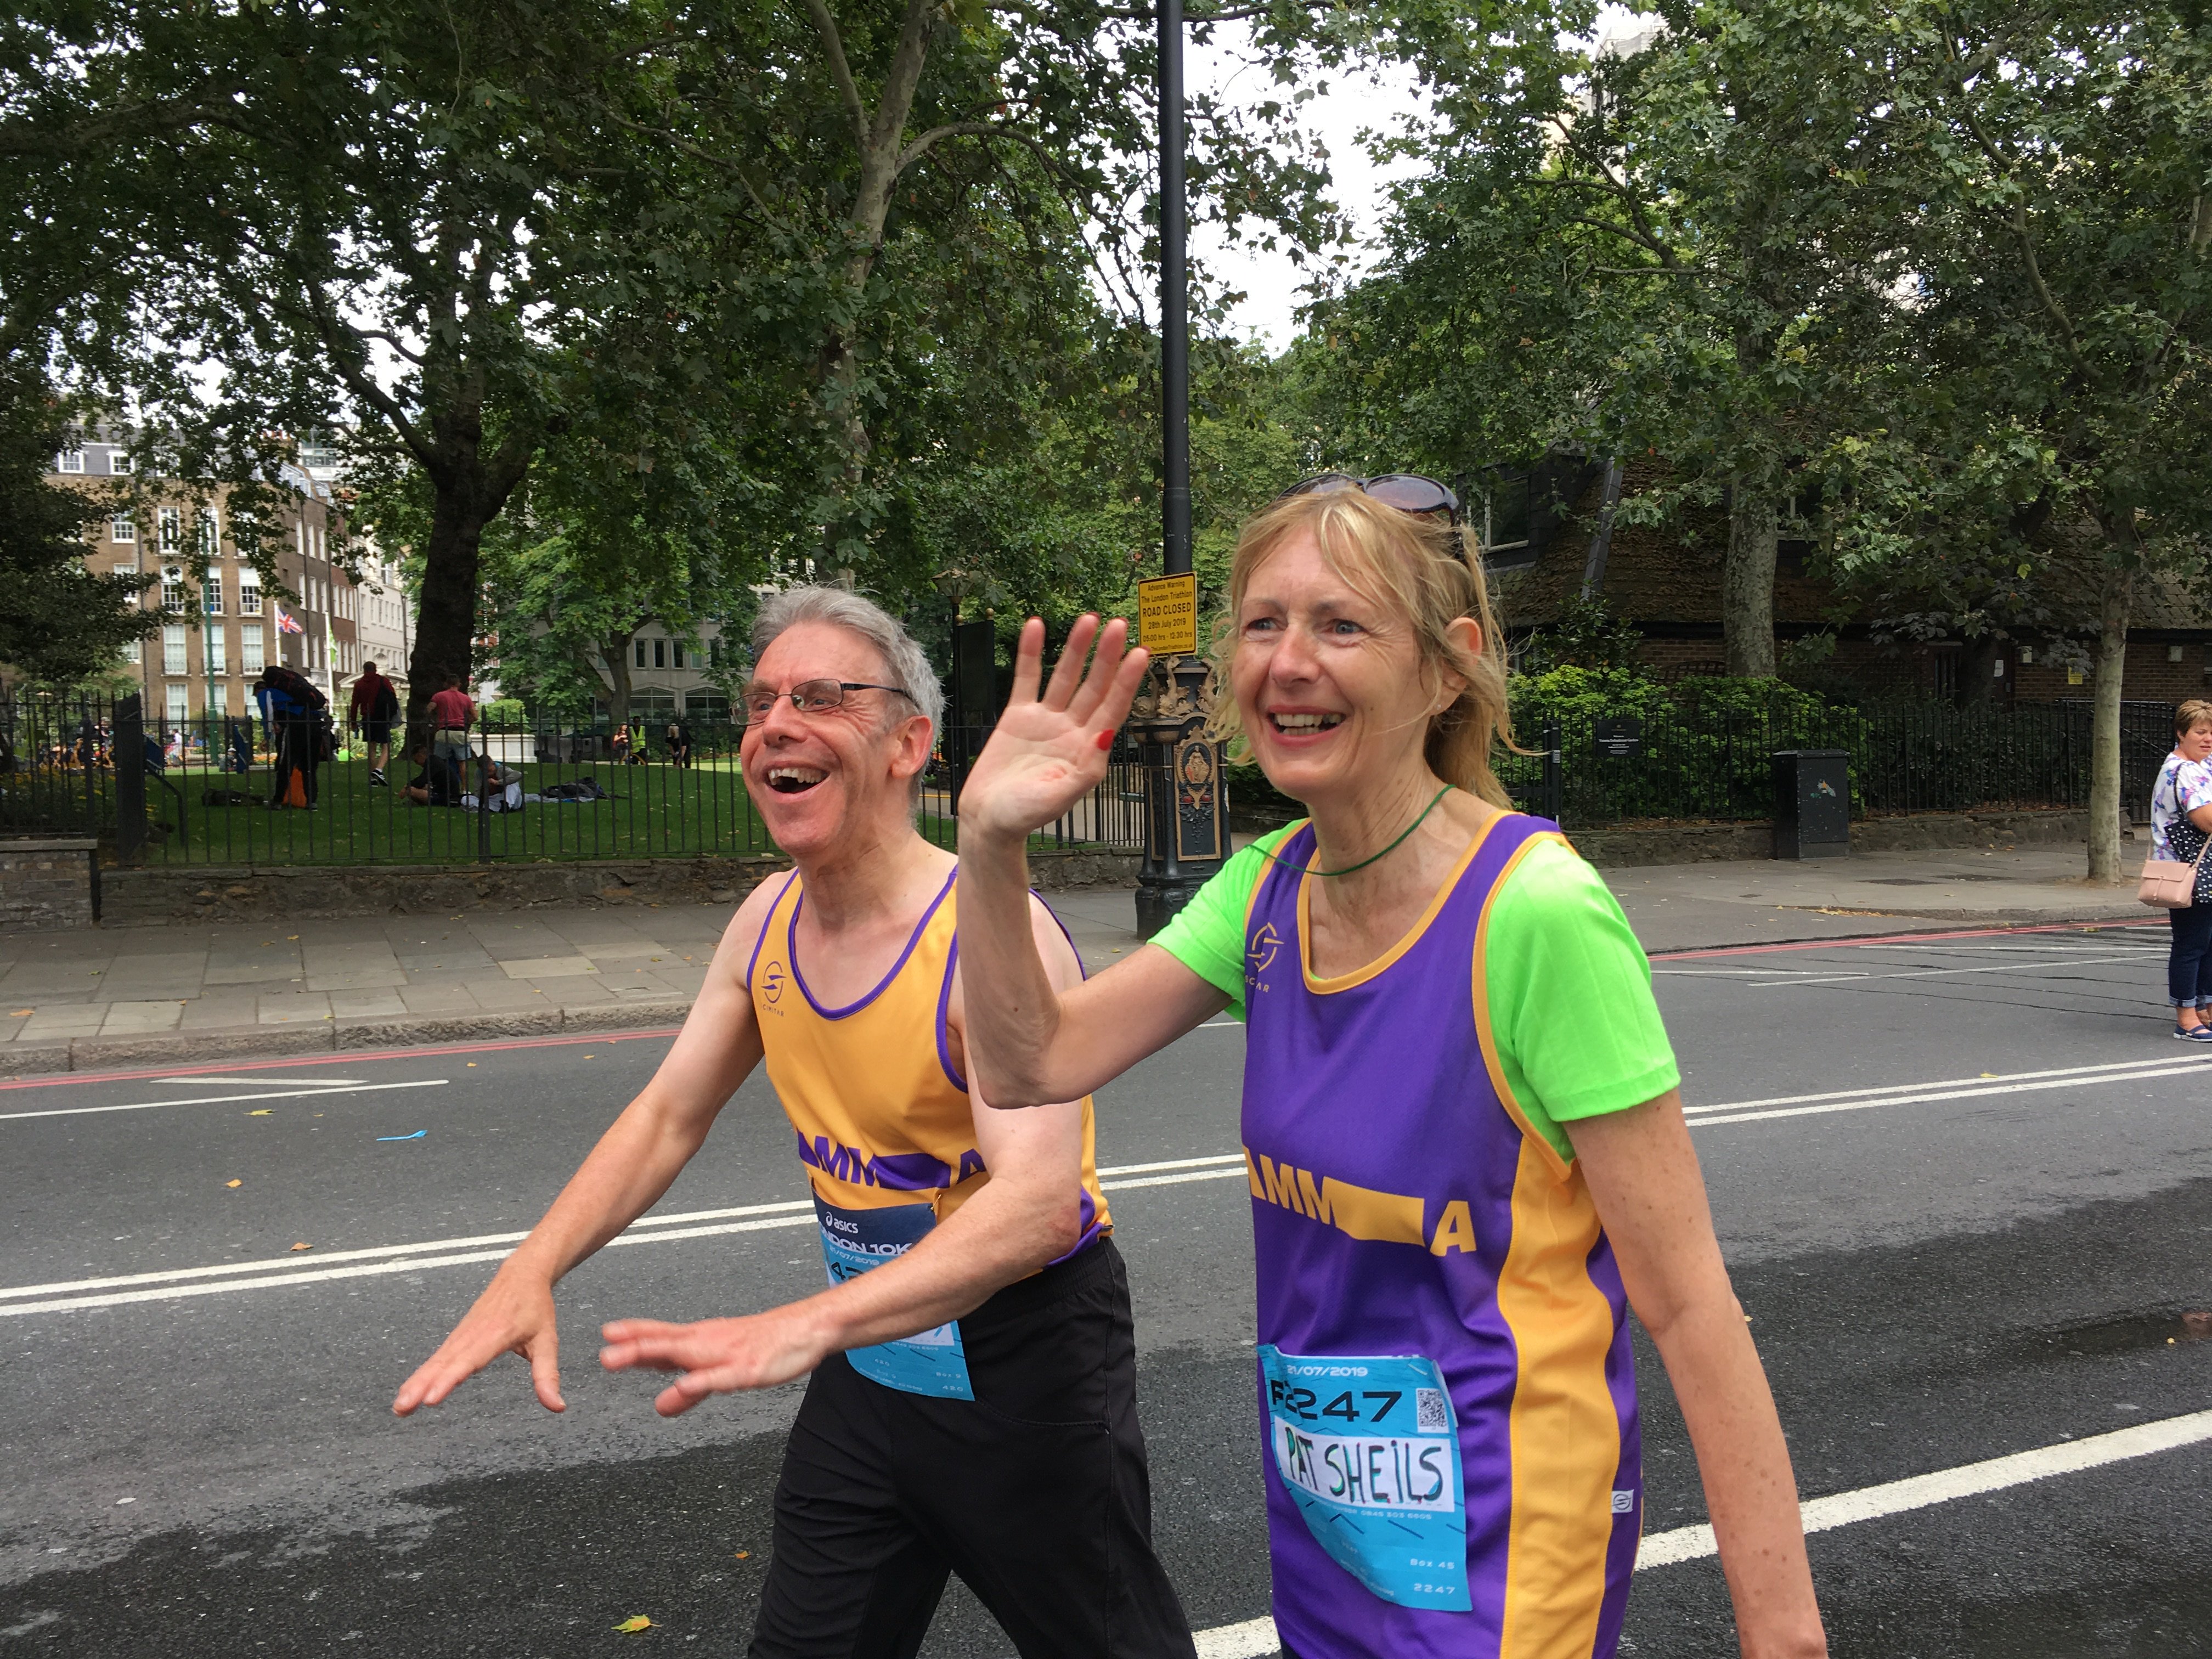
column 1462, row 1125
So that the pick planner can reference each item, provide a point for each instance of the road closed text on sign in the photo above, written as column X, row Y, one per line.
column 1167, row 614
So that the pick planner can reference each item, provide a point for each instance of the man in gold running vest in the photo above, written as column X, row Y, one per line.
column 972, row 1406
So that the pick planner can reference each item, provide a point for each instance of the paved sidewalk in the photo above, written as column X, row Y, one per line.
column 130, row 996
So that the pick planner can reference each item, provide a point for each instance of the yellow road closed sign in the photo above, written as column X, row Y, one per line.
column 1167, row 614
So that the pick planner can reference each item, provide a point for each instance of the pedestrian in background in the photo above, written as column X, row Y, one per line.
column 375, row 705
column 290, row 704
column 679, row 738
column 452, row 713
column 2180, row 820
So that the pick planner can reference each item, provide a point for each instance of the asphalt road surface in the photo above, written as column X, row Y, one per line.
column 1964, row 1184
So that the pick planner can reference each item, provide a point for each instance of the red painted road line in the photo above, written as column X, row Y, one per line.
column 1903, row 939
column 348, row 1057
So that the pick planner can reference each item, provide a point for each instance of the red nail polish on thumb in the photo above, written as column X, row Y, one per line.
column 1105, row 739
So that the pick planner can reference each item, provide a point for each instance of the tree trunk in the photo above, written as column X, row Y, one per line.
column 446, row 618
column 617, row 657
column 1747, row 583
column 2105, row 725
column 879, row 145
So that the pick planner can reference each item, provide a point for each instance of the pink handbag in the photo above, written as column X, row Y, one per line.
column 2168, row 884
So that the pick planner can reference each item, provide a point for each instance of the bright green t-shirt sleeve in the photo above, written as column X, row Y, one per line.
column 1207, row 934
column 1578, row 1029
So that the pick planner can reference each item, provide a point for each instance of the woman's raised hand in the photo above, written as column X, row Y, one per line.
column 1050, row 751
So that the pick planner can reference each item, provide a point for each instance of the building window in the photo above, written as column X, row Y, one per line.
column 172, row 529
column 250, row 659
column 118, row 463
column 122, row 528
column 210, row 534
column 218, row 698
column 69, row 460
column 172, row 648
column 211, row 595
column 249, row 593
column 707, row 708
column 660, row 654
column 218, row 659
column 130, row 651
column 640, row 654
column 173, row 589
column 676, row 647
column 180, row 702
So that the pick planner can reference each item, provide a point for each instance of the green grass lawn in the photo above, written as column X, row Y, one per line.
column 658, row 811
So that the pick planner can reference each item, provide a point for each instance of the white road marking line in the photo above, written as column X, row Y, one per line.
column 1256, row 1637
column 1249, row 1640
column 1933, row 973
column 195, row 1079
column 2181, row 1069
column 269, row 1264
column 2118, row 1067
column 458, row 1252
column 219, row 1100
column 1968, row 1480
column 1174, row 1163
column 1175, row 1180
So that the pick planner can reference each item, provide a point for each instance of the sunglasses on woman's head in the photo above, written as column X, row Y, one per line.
column 1409, row 492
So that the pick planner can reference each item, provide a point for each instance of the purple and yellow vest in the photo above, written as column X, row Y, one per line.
column 1401, row 1205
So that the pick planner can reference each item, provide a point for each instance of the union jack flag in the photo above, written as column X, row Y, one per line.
column 287, row 623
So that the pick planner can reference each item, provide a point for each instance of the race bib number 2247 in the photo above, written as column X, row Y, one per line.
column 1367, row 1450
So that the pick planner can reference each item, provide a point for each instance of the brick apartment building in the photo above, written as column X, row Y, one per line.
column 217, row 633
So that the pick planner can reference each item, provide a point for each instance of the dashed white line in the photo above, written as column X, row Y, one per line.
column 2117, row 1070
column 178, row 1283
column 258, row 1082
column 1920, row 1491
column 220, row 1100
column 1935, row 973
column 1255, row 1638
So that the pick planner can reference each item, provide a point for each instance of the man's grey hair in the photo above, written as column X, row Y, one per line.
column 904, row 665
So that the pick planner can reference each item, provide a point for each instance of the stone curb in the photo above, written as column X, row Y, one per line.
column 182, row 1049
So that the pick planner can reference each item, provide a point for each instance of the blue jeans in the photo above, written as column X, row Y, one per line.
column 2189, row 965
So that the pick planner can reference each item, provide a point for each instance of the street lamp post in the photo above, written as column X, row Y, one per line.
column 1184, row 834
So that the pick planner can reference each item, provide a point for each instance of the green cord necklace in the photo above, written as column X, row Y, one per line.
column 1310, row 870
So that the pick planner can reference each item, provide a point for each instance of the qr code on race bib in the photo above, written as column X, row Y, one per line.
column 1429, row 1414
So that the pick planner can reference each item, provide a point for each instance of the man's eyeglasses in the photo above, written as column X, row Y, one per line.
column 1409, row 492
column 809, row 697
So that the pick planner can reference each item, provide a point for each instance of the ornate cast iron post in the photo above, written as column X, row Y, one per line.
column 1185, row 837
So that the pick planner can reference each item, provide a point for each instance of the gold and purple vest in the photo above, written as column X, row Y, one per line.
column 882, row 1114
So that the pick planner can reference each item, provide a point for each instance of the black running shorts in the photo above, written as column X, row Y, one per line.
column 1036, row 1492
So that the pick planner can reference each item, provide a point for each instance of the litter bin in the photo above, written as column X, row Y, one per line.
column 1812, row 804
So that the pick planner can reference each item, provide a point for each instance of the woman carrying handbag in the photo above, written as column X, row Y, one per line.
column 2177, row 877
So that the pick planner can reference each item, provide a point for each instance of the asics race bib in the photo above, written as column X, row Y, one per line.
column 1369, row 1450
column 853, row 1241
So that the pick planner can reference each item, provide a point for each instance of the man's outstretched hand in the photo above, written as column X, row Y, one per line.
column 1048, row 750
column 716, row 1355
column 511, row 1316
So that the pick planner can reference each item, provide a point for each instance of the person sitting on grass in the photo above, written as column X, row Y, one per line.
column 437, row 781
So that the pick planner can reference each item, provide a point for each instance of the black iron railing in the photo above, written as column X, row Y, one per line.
column 1687, row 764
column 223, row 791
column 245, row 790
